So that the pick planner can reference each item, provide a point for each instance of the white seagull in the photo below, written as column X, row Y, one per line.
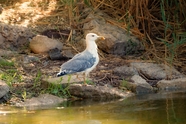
column 84, row 62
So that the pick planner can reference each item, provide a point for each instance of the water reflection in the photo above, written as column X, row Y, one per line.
column 166, row 108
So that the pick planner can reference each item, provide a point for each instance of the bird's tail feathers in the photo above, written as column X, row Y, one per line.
column 61, row 74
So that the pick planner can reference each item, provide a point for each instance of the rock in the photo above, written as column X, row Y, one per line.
column 136, row 79
column 42, row 100
column 134, row 82
column 30, row 59
column 175, row 84
column 140, row 85
column 55, row 54
column 4, row 90
column 125, row 71
column 118, row 41
column 156, row 71
column 97, row 92
column 41, row 44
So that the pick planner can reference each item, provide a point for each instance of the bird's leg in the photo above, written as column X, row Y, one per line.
column 77, row 76
column 85, row 75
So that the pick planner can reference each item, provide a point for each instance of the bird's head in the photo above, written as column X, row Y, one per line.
column 93, row 37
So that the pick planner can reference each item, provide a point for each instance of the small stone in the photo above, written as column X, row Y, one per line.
column 4, row 89
column 42, row 44
column 29, row 59
column 55, row 54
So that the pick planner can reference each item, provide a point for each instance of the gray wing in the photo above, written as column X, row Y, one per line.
column 78, row 63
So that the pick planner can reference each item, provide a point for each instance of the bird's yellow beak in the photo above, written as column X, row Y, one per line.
column 101, row 37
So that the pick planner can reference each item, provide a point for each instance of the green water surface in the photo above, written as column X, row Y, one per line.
column 165, row 108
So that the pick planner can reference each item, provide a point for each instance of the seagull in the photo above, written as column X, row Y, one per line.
column 84, row 62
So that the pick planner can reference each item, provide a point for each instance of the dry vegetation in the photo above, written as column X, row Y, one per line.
column 160, row 24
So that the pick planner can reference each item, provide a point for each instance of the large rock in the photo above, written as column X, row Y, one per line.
column 140, row 86
column 41, row 44
column 4, row 90
column 175, row 84
column 125, row 71
column 118, row 41
column 97, row 92
column 42, row 100
column 156, row 71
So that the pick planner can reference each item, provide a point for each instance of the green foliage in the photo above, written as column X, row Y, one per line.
column 24, row 95
column 73, row 2
column 69, row 78
column 89, row 82
column 37, row 80
column 9, row 74
column 87, row 2
column 56, row 88
column 4, row 63
column 177, row 38
column 125, row 85
column 67, row 2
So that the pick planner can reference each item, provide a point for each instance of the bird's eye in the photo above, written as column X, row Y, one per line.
column 92, row 35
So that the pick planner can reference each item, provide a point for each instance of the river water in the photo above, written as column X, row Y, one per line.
column 161, row 108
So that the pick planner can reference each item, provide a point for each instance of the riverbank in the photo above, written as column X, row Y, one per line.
column 123, row 67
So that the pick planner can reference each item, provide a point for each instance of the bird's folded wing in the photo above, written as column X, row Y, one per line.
column 78, row 65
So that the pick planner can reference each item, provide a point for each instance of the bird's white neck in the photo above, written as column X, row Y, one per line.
column 91, row 47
